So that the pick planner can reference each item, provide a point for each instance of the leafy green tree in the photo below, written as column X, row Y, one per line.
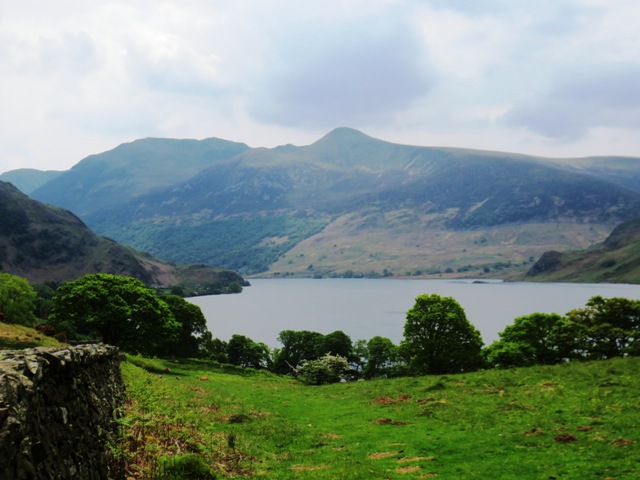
column 215, row 348
column 327, row 369
column 45, row 293
column 336, row 343
column 17, row 298
column 607, row 327
column 382, row 357
column 358, row 361
column 297, row 346
column 193, row 326
column 117, row 310
column 439, row 339
column 244, row 352
column 531, row 340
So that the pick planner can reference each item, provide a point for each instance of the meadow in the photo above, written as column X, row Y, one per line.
column 576, row 420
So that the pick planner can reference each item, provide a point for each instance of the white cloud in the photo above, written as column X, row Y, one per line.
column 359, row 73
column 550, row 77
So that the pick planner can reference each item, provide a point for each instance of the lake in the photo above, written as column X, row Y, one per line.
column 364, row 308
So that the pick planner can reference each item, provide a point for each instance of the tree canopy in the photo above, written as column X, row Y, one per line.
column 607, row 328
column 17, row 298
column 244, row 352
column 439, row 339
column 118, row 310
column 191, row 339
column 301, row 345
column 382, row 357
column 533, row 339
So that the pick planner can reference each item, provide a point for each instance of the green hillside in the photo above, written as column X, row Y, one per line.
column 576, row 420
column 43, row 243
column 28, row 179
column 113, row 177
column 616, row 260
column 17, row 337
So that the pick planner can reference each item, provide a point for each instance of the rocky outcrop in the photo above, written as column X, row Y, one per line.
column 57, row 411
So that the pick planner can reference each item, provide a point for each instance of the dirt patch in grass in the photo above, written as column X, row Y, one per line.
column 428, row 475
column 622, row 442
column 379, row 455
column 565, row 438
column 388, row 421
column 238, row 418
column 390, row 400
column 210, row 409
column 534, row 431
column 422, row 401
column 332, row 435
column 584, row 428
column 259, row 414
column 415, row 459
column 405, row 470
column 309, row 468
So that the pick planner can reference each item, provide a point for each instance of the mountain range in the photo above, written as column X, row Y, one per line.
column 346, row 205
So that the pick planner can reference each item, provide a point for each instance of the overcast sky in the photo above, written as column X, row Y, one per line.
column 544, row 77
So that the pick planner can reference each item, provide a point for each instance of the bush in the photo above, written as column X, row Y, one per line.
column 328, row 369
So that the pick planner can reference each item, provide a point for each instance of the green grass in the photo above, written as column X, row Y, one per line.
column 492, row 424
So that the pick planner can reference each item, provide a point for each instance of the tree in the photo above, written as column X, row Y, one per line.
column 607, row 327
column 297, row 346
column 193, row 326
column 359, row 358
column 244, row 352
column 117, row 310
column 17, row 298
column 531, row 340
column 336, row 343
column 439, row 339
column 382, row 356
column 214, row 348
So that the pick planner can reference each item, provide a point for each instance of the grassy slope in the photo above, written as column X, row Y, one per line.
column 617, row 259
column 492, row 424
column 410, row 244
column 16, row 337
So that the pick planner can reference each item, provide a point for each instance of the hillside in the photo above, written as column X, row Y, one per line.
column 131, row 169
column 44, row 243
column 28, row 179
column 576, row 420
column 16, row 337
column 616, row 260
column 347, row 204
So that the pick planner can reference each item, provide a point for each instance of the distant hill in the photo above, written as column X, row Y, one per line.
column 131, row 169
column 616, row 260
column 348, row 204
column 28, row 179
column 44, row 243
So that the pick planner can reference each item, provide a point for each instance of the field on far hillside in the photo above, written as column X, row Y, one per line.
column 17, row 337
column 572, row 421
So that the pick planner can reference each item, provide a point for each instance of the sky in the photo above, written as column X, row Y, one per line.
column 557, row 78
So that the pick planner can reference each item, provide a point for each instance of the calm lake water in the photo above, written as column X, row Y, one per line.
column 364, row 308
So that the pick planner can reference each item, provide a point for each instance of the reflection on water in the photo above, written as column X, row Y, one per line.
column 364, row 308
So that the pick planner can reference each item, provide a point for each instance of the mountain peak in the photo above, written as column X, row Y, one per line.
column 342, row 135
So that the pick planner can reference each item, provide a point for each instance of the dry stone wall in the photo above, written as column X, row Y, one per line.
column 57, row 411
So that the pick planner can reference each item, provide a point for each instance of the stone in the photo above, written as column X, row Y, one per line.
column 57, row 409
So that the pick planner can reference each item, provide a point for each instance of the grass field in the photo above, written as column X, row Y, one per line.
column 572, row 421
column 16, row 337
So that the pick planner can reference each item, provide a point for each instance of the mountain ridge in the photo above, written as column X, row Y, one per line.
column 257, row 210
